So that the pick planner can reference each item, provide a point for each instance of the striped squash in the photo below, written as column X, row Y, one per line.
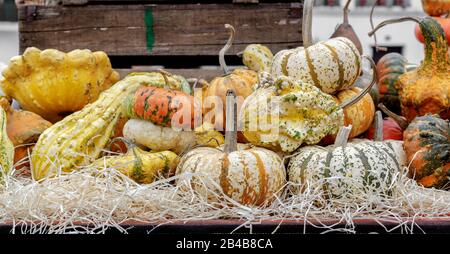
column 79, row 138
column 331, row 65
column 348, row 170
column 249, row 175
column 257, row 57
column 6, row 148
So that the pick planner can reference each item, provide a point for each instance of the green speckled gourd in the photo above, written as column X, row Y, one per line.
column 6, row 148
column 164, row 79
column 348, row 171
column 79, row 138
column 257, row 57
column 282, row 114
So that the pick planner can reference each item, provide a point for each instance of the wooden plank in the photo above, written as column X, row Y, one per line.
column 207, row 74
column 182, row 29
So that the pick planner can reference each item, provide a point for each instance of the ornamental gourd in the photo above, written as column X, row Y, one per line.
column 331, row 65
column 426, row 89
column 249, row 175
column 348, row 170
column 54, row 84
column 445, row 24
column 141, row 166
column 391, row 127
column 426, row 141
column 257, row 57
column 23, row 128
column 78, row 139
column 427, row 146
column 436, row 7
column 389, row 68
column 6, row 148
column 241, row 81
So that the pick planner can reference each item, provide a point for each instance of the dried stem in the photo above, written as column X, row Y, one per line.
column 372, row 26
column 225, row 48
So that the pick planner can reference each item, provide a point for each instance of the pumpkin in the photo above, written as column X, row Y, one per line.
column 345, row 29
column 330, row 65
column 249, row 175
column 257, row 57
column 347, row 170
column 78, row 139
column 445, row 24
column 54, row 84
column 427, row 146
column 139, row 165
column 284, row 113
column 23, row 129
column 162, row 107
column 436, row 7
column 389, row 69
column 6, row 148
column 360, row 115
column 239, row 80
column 426, row 89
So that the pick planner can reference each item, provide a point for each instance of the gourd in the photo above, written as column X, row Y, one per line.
column 163, row 107
column 330, row 65
column 165, row 79
column 445, row 24
column 54, row 84
column 436, row 7
column 257, row 57
column 346, row 30
column 249, row 175
column 158, row 138
column 23, row 129
column 427, row 146
column 426, row 141
column 426, row 89
column 139, row 165
column 6, row 148
column 389, row 68
column 241, row 81
column 78, row 139
column 284, row 113
column 347, row 170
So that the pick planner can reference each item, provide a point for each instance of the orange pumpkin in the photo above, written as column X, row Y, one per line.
column 241, row 81
column 436, row 7
column 23, row 128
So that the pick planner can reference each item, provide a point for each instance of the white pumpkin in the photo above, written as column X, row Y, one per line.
column 249, row 175
column 331, row 65
column 348, row 170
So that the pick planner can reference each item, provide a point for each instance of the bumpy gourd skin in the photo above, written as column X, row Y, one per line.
column 54, row 84
column 297, row 113
column 427, row 89
column 79, row 138
column 173, row 82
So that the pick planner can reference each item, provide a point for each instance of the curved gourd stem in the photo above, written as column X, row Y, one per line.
column 225, row 48
column 393, row 21
column 401, row 121
column 372, row 26
column 345, row 21
column 361, row 94
column 378, row 122
column 307, row 23
column 231, row 123
column 165, row 75
column 342, row 136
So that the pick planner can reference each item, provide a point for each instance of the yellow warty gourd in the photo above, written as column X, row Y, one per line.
column 78, row 139
column 6, row 148
column 54, row 84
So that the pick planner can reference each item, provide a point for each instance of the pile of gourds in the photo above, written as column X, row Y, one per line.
column 300, row 104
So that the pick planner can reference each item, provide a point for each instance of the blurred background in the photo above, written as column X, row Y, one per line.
column 328, row 13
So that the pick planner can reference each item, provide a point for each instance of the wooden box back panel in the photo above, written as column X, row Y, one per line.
column 178, row 34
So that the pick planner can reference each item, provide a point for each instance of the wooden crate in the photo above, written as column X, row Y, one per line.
column 172, row 34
